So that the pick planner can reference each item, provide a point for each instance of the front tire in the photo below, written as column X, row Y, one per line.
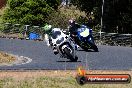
column 95, row 48
column 69, row 55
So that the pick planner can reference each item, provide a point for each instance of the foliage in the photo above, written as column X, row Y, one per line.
column 57, row 19
column 60, row 18
column 86, row 5
column 32, row 12
column 92, row 10
column 116, row 17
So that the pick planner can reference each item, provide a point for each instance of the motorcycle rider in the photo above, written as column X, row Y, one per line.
column 74, row 27
column 48, row 34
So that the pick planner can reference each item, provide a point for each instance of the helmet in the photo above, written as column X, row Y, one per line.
column 48, row 28
column 71, row 22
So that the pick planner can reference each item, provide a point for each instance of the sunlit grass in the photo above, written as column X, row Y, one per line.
column 51, row 80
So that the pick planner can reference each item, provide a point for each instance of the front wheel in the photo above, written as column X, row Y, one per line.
column 95, row 48
column 69, row 55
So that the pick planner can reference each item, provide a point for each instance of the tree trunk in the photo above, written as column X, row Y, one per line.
column 2, row 3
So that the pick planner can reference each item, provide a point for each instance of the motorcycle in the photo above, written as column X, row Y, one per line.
column 84, row 38
column 61, row 43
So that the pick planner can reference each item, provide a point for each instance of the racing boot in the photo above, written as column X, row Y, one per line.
column 55, row 51
column 76, row 46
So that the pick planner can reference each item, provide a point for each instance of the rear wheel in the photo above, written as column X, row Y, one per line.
column 69, row 55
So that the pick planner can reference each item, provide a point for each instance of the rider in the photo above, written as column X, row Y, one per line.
column 74, row 27
column 48, row 33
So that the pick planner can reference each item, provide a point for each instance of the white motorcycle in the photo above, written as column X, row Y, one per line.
column 61, row 43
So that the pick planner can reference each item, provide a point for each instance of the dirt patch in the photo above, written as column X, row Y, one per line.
column 10, row 59
column 6, row 58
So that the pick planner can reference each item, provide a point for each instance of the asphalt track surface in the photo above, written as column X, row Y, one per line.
column 108, row 57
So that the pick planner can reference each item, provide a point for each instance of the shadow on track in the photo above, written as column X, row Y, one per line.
column 87, row 50
column 68, row 61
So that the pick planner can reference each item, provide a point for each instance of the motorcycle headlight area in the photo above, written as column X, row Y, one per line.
column 60, row 40
column 55, row 34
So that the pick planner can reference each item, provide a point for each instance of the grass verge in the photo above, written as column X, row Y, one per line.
column 53, row 79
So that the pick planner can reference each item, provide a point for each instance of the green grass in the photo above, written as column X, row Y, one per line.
column 1, row 12
column 53, row 82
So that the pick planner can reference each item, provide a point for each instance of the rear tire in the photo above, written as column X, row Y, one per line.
column 69, row 55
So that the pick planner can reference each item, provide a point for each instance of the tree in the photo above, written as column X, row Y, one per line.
column 32, row 12
column 92, row 9
column 117, row 16
column 117, row 13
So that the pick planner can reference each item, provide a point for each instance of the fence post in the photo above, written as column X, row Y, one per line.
column 25, row 31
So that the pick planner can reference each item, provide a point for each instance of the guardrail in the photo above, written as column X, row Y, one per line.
column 17, row 30
column 113, row 39
column 103, row 38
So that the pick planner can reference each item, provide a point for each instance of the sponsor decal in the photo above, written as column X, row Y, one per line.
column 82, row 78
